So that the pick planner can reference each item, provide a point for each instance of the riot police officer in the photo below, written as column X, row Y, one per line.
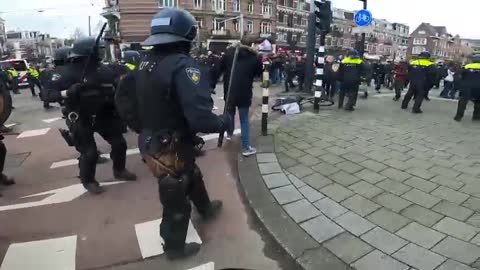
column 421, row 74
column 470, row 89
column 33, row 79
column 167, row 100
column 87, row 87
column 351, row 72
column 59, row 60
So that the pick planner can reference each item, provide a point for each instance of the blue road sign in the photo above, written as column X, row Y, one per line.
column 363, row 18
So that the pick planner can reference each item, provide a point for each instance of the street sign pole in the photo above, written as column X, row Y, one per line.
column 362, row 46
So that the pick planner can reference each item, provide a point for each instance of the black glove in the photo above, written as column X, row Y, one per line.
column 225, row 120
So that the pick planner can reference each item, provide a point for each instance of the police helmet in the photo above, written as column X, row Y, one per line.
column 424, row 55
column 85, row 47
column 476, row 58
column 353, row 54
column 60, row 55
column 171, row 25
column 131, row 57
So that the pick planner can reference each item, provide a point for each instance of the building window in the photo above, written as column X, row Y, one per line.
column 281, row 17
column 197, row 4
column 250, row 7
column 419, row 41
column 199, row 21
column 218, row 5
column 266, row 9
column 219, row 24
column 303, row 39
column 282, row 37
column 299, row 20
column 421, row 32
column 167, row 3
column 304, row 22
column 236, row 26
column 295, row 4
column 418, row 50
column 236, row 5
column 265, row 28
column 250, row 26
column 294, row 37
column 281, row 2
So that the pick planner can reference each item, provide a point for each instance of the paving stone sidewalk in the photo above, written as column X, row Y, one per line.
column 381, row 188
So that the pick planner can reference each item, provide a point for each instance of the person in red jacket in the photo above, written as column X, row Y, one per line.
column 400, row 73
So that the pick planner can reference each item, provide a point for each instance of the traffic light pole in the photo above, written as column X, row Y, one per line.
column 319, row 73
column 310, row 50
column 362, row 46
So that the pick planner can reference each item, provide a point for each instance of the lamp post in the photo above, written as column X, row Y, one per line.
column 362, row 46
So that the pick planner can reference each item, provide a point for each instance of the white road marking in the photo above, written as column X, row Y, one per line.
column 207, row 266
column 149, row 239
column 133, row 151
column 32, row 133
column 52, row 120
column 51, row 254
column 10, row 125
column 60, row 195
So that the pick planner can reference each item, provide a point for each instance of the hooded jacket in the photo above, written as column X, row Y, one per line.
column 248, row 67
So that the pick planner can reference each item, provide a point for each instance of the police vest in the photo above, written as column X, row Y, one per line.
column 130, row 66
column 33, row 72
column 352, row 61
column 473, row 66
column 421, row 63
column 13, row 72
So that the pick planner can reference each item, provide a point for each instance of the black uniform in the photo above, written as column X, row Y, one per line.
column 470, row 90
column 421, row 74
column 350, row 74
column 290, row 66
column 89, row 107
column 167, row 100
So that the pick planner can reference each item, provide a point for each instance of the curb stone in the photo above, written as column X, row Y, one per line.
column 298, row 244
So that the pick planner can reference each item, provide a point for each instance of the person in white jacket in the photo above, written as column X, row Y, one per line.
column 448, row 83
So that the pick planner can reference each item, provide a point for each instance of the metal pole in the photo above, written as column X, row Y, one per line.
column 310, row 50
column 362, row 46
column 319, row 73
column 89, row 27
column 241, row 27
column 265, row 108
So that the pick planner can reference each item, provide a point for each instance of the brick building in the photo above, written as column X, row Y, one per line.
column 219, row 20
column 436, row 40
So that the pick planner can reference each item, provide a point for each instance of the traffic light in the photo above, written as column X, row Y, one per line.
column 324, row 15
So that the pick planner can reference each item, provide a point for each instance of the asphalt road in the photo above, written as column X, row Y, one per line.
column 65, row 228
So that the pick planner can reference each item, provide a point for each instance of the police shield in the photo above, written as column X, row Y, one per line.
column 5, row 106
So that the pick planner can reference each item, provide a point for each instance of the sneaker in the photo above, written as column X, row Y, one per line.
column 229, row 137
column 250, row 151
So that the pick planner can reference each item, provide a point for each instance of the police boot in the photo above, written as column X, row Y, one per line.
column 94, row 188
column 457, row 118
column 417, row 111
column 404, row 105
column 124, row 175
column 6, row 181
column 212, row 211
column 187, row 250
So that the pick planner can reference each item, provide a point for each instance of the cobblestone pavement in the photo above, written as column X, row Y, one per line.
column 382, row 188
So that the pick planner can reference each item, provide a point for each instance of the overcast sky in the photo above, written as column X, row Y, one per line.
column 62, row 16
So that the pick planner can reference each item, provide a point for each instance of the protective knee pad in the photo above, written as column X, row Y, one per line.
column 172, row 192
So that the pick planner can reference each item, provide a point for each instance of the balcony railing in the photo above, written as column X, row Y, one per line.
column 221, row 32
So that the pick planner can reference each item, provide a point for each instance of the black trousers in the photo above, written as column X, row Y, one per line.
column 14, row 85
column 3, row 154
column 399, row 85
column 32, row 82
column 330, row 88
column 289, row 81
column 175, row 195
column 418, row 90
column 111, row 129
column 463, row 102
column 351, row 92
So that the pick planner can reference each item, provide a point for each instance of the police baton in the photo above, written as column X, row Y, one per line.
column 227, row 100
column 95, row 49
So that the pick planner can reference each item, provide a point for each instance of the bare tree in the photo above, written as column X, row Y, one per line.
column 78, row 33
